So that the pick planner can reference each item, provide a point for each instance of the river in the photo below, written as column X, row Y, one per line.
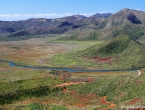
column 57, row 68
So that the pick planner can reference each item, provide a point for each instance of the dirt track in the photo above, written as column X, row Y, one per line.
column 139, row 73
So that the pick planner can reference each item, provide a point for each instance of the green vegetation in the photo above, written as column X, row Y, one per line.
column 38, row 106
column 117, row 89
column 130, row 54
column 13, row 90
column 81, row 44
column 58, row 107
column 24, row 94
column 89, row 35
column 20, row 37
column 124, row 52
column 70, row 59
column 133, row 31
column 22, row 74
column 27, row 84
column 112, row 47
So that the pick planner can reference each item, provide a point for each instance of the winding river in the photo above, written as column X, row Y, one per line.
column 56, row 68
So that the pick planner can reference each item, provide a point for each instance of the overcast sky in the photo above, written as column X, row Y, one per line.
column 24, row 9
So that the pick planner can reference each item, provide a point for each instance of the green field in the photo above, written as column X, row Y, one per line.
column 71, row 59
column 28, row 89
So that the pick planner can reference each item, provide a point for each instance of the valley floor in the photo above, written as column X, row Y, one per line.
column 23, row 89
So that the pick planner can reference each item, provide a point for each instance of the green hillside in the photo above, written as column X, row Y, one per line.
column 123, row 52
column 134, row 31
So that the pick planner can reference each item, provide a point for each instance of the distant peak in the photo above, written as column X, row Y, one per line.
column 78, row 15
column 126, row 9
column 102, row 15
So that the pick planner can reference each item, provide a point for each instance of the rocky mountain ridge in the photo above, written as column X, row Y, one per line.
column 75, row 24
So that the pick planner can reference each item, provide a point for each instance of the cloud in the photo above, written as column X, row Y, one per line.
column 13, row 17
column 87, row 14
column 104, row 11
column 137, row 9
column 32, row 15
column 42, row 15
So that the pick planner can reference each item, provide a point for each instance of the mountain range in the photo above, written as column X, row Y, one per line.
column 98, row 26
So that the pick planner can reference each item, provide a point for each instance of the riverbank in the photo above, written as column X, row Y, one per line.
column 57, row 68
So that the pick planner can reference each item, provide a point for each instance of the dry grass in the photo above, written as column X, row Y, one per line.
column 31, row 51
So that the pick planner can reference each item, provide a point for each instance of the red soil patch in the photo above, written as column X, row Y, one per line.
column 91, row 79
column 65, row 91
column 52, row 101
column 103, row 109
column 100, row 59
column 106, row 59
column 30, row 101
column 93, row 95
column 73, row 92
column 134, row 101
column 111, row 104
column 82, row 100
column 61, row 77
column 139, row 109
column 80, row 105
column 103, row 100
column 69, row 84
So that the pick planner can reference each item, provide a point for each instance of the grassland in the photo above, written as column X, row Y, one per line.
column 28, row 89
column 31, row 51
column 71, row 58
column 114, row 85
column 121, row 53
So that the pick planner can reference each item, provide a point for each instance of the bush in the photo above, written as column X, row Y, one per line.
column 36, row 106
column 58, row 107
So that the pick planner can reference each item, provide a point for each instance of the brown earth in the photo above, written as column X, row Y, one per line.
column 105, row 59
column 32, row 51
column 134, row 101
column 69, row 84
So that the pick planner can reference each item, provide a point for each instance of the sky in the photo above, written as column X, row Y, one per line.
column 13, row 10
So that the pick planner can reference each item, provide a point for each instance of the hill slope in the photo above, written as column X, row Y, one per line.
column 126, row 16
column 119, row 53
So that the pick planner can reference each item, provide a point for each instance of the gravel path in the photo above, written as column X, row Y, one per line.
column 139, row 73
